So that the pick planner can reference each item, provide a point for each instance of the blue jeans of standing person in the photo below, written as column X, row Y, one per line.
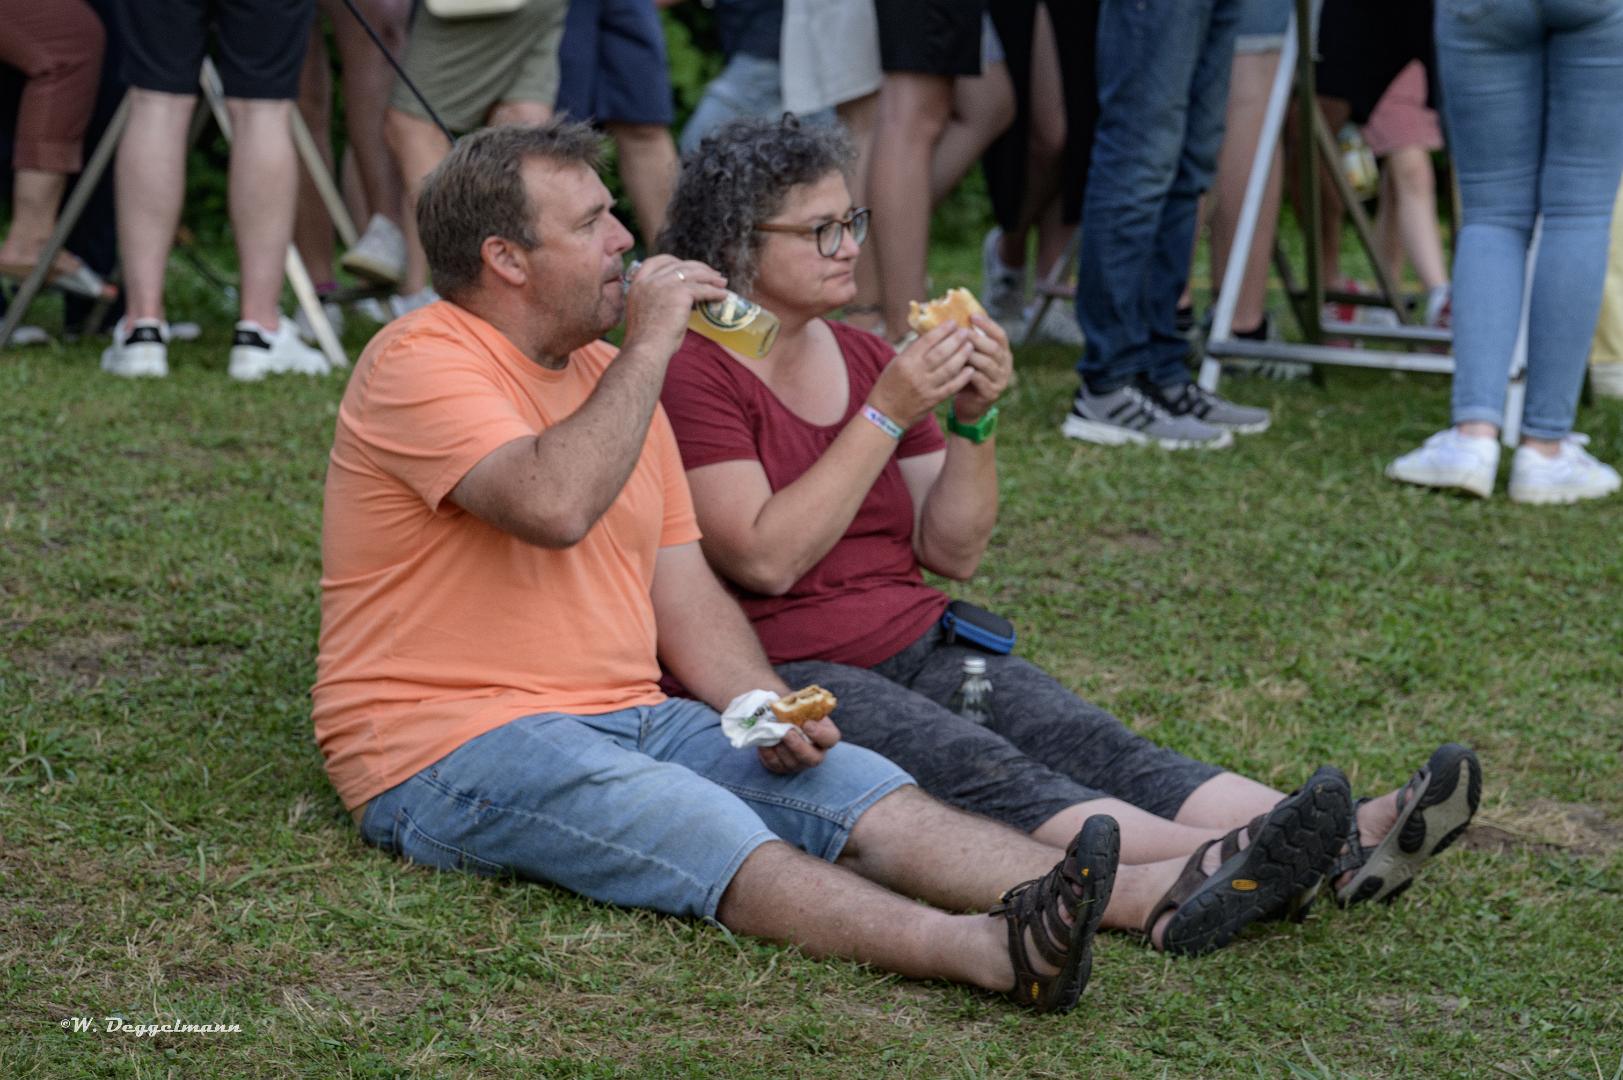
column 1163, row 71
column 747, row 86
column 1533, row 93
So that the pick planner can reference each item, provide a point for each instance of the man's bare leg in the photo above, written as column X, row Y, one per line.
column 914, row 845
column 648, row 167
column 262, row 183
column 150, row 184
column 419, row 146
column 781, row 894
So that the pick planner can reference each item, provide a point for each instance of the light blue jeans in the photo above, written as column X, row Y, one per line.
column 645, row 807
column 747, row 86
column 1533, row 95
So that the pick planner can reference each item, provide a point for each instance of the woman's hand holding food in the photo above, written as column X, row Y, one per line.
column 927, row 372
column 991, row 365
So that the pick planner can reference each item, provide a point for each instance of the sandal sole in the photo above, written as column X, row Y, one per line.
column 1295, row 846
column 1430, row 824
column 1105, row 855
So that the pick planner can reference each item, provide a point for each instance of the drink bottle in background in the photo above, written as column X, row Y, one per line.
column 731, row 322
column 973, row 698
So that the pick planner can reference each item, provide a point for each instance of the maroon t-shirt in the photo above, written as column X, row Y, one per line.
column 865, row 600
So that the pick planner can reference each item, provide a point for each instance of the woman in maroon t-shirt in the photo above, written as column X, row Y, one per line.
column 822, row 484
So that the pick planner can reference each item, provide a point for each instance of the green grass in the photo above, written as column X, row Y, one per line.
column 170, row 847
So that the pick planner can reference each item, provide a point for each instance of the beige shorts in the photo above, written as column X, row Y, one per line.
column 465, row 67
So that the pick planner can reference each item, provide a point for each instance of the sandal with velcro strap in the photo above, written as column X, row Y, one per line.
column 1434, row 809
column 1289, row 851
column 1061, row 910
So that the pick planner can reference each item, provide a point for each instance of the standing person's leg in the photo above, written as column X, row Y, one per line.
column 1208, row 91
column 923, row 45
column 913, row 112
column 312, row 226
column 58, row 48
column 1251, row 81
column 1414, row 190
column 1578, row 180
column 648, row 167
column 1493, row 73
column 368, row 80
column 261, row 51
column 860, row 115
column 983, row 107
column 1147, row 54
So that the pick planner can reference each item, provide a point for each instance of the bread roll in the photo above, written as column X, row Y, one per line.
column 958, row 305
column 804, row 706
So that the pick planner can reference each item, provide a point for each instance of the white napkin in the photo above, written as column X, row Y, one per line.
column 748, row 721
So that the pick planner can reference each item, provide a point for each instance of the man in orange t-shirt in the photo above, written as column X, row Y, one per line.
column 510, row 554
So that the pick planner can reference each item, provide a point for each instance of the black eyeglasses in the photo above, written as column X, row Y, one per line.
column 830, row 234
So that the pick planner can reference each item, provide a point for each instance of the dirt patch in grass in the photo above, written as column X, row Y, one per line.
column 1545, row 825
column 81, row 662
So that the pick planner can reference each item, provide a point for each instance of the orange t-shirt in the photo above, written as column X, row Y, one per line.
column 437, row 627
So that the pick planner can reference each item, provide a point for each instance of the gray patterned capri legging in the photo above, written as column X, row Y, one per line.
column 1045, row 749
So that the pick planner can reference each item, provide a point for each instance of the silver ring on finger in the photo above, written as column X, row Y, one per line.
column 681, row 276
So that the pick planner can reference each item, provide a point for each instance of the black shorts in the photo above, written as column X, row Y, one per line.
column 1364, row 44
column 259, row 45
column 930, row 37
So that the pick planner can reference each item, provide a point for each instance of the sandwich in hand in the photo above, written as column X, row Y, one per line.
column 803, row 706
column 958, row 305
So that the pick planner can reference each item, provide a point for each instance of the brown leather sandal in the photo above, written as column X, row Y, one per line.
column 1291, row 848
column 1062, row 910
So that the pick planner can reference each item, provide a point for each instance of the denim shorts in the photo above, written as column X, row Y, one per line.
column 1262, row 26
column 644, row 807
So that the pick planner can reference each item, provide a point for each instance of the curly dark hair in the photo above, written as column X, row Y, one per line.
column 737, row 177
column 479, row 191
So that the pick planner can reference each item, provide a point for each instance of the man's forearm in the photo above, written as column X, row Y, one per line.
column 709, row 645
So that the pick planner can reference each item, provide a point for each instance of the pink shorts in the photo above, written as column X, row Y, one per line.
column 1402, row 118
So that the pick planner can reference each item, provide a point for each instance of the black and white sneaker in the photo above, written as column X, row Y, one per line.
column 257, row 352
column 1189, row 400
column 140, row 350
column 1128, row 416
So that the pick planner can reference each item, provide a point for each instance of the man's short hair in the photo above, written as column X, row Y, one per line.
column 478, row 191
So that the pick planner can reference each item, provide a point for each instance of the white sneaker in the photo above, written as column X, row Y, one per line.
column 379, row 255
column 1571, row 475
column 307, row 331
column 25, row 335
column 1003, row 287
column 1451, row 460
column 1058, row 325
column 405, row 305
column 257, row 352
column 138, row 351
column 1606, row 378
column 371, row 309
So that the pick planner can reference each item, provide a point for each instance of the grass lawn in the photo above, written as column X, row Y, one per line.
column 170, row 848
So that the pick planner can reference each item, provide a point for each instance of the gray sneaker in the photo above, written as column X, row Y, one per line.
column 1003, row 288
column 1130, row 416
column 1188, row 400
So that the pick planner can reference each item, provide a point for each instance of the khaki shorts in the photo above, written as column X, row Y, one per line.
column 465, row 67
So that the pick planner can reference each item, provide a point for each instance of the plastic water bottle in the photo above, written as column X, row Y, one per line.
column 973, row 699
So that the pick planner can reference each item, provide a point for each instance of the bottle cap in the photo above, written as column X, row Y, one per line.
column 974, row 665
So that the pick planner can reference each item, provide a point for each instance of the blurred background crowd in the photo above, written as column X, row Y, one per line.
column 1098, row 140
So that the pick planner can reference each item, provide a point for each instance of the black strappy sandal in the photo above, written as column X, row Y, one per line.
column 1079, row 885
column 1291, row 848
